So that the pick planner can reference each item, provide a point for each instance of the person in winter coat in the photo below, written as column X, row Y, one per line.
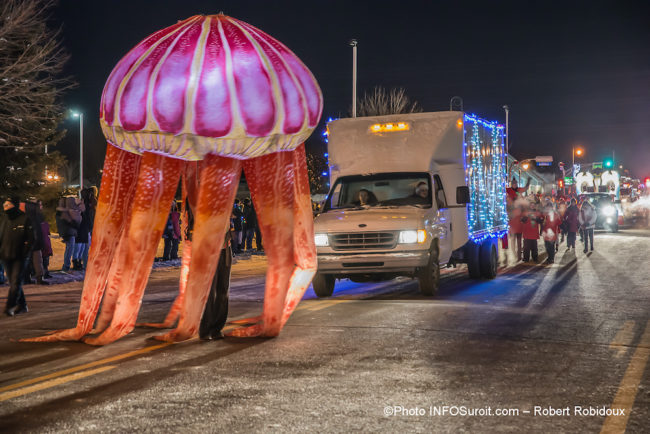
column 237, row 221
column 33, row 211
column 250, row 224
column 516, row 228
column 84, row 232
column 587, row 219
column 515, row 192
column 550, row 231
column 172, row 234
column 46, row 251
column 68, row 219
column 561, row 209
column 531, row 223
column 514, row 199
column 572, row 224
column 16, row 240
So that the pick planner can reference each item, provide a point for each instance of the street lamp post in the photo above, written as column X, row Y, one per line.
column 574, row 152
column 81, row 149
column 577, row 152
column 353, row 44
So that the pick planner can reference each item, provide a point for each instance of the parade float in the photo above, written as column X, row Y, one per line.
column 439, row 186
column 218, row 91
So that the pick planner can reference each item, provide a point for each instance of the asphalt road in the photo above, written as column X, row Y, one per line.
column 516, row 354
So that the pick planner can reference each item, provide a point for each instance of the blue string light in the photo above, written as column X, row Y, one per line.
column 485, row 175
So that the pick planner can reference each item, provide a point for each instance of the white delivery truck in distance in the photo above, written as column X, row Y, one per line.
column 409, row 193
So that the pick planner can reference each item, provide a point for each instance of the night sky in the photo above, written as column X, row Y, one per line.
column 573, row 73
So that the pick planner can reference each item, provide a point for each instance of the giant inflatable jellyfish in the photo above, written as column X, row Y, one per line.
column 215, row 89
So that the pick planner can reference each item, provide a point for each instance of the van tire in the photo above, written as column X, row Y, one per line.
column 323, row 284
column 429, row 276
column 473, row 260
column 489, row 259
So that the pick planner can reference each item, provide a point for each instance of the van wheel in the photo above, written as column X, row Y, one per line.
column 488, row 259
column 429, row 276
column 473, row 260
column 323, row 284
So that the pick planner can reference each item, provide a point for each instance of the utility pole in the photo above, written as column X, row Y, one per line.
column 81, row 152
column 353, row 44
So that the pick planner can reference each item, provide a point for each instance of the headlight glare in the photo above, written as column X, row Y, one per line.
column 408, row 237
column 609, row 211
column 321, row 240
column 412, row 237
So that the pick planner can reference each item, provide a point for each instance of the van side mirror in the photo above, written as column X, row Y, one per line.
column 462, row 194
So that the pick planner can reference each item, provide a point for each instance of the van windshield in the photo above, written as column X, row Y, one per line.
column 381, row 189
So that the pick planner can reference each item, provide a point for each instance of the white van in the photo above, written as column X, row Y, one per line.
column 410, row 193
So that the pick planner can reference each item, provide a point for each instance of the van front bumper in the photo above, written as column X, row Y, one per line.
column 365, row 263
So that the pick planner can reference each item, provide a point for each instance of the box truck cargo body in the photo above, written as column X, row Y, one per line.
column 410, row 193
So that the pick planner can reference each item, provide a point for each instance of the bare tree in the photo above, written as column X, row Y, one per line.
column 31, row 62
column 382, row 102
column 316, row 165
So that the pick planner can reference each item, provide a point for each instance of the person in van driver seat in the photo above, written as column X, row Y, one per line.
column 366, row 197
column 421, row 195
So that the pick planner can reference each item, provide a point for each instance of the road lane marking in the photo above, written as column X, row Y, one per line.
column 623, row 339
column 84, row 366
column 324, row 304
column 629, row 386
column 60, row 377
column 53, row 383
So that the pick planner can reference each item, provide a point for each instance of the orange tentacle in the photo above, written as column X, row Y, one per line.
column 112, row 290
column 190, row 191
column 304, row 249
column 270, row 179
column 218, row 185
column 157, row 183
column 114, row 204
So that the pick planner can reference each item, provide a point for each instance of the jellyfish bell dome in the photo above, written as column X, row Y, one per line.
column 210, row 84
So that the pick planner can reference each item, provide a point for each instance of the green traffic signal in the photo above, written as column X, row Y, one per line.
column 609, row 163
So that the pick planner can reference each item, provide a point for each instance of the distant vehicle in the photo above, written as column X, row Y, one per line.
column 410, row 193
column 607, row 210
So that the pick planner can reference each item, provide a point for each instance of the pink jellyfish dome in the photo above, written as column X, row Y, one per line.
column 210, row 84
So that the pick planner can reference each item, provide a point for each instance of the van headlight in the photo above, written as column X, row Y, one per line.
column 321, row 240
column 609, row 211
column 412, row 237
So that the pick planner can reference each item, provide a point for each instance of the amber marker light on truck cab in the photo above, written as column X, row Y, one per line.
column 390, row 127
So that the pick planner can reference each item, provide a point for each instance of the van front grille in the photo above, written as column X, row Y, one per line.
column 363, row 241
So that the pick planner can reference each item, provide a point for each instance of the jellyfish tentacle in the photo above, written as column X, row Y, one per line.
column 218, row 185
column 112, row 290
column 190, row 188
column 304, row 248
column 270, row 179
column 157, row 183
column 113, row 206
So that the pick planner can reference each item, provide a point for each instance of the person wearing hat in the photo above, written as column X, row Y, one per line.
column 531, row 220
column 35, row 262
column 16, row 240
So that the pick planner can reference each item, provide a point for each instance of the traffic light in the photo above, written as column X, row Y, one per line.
column 560, row 183
column 609, row 163
column 647, row 182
